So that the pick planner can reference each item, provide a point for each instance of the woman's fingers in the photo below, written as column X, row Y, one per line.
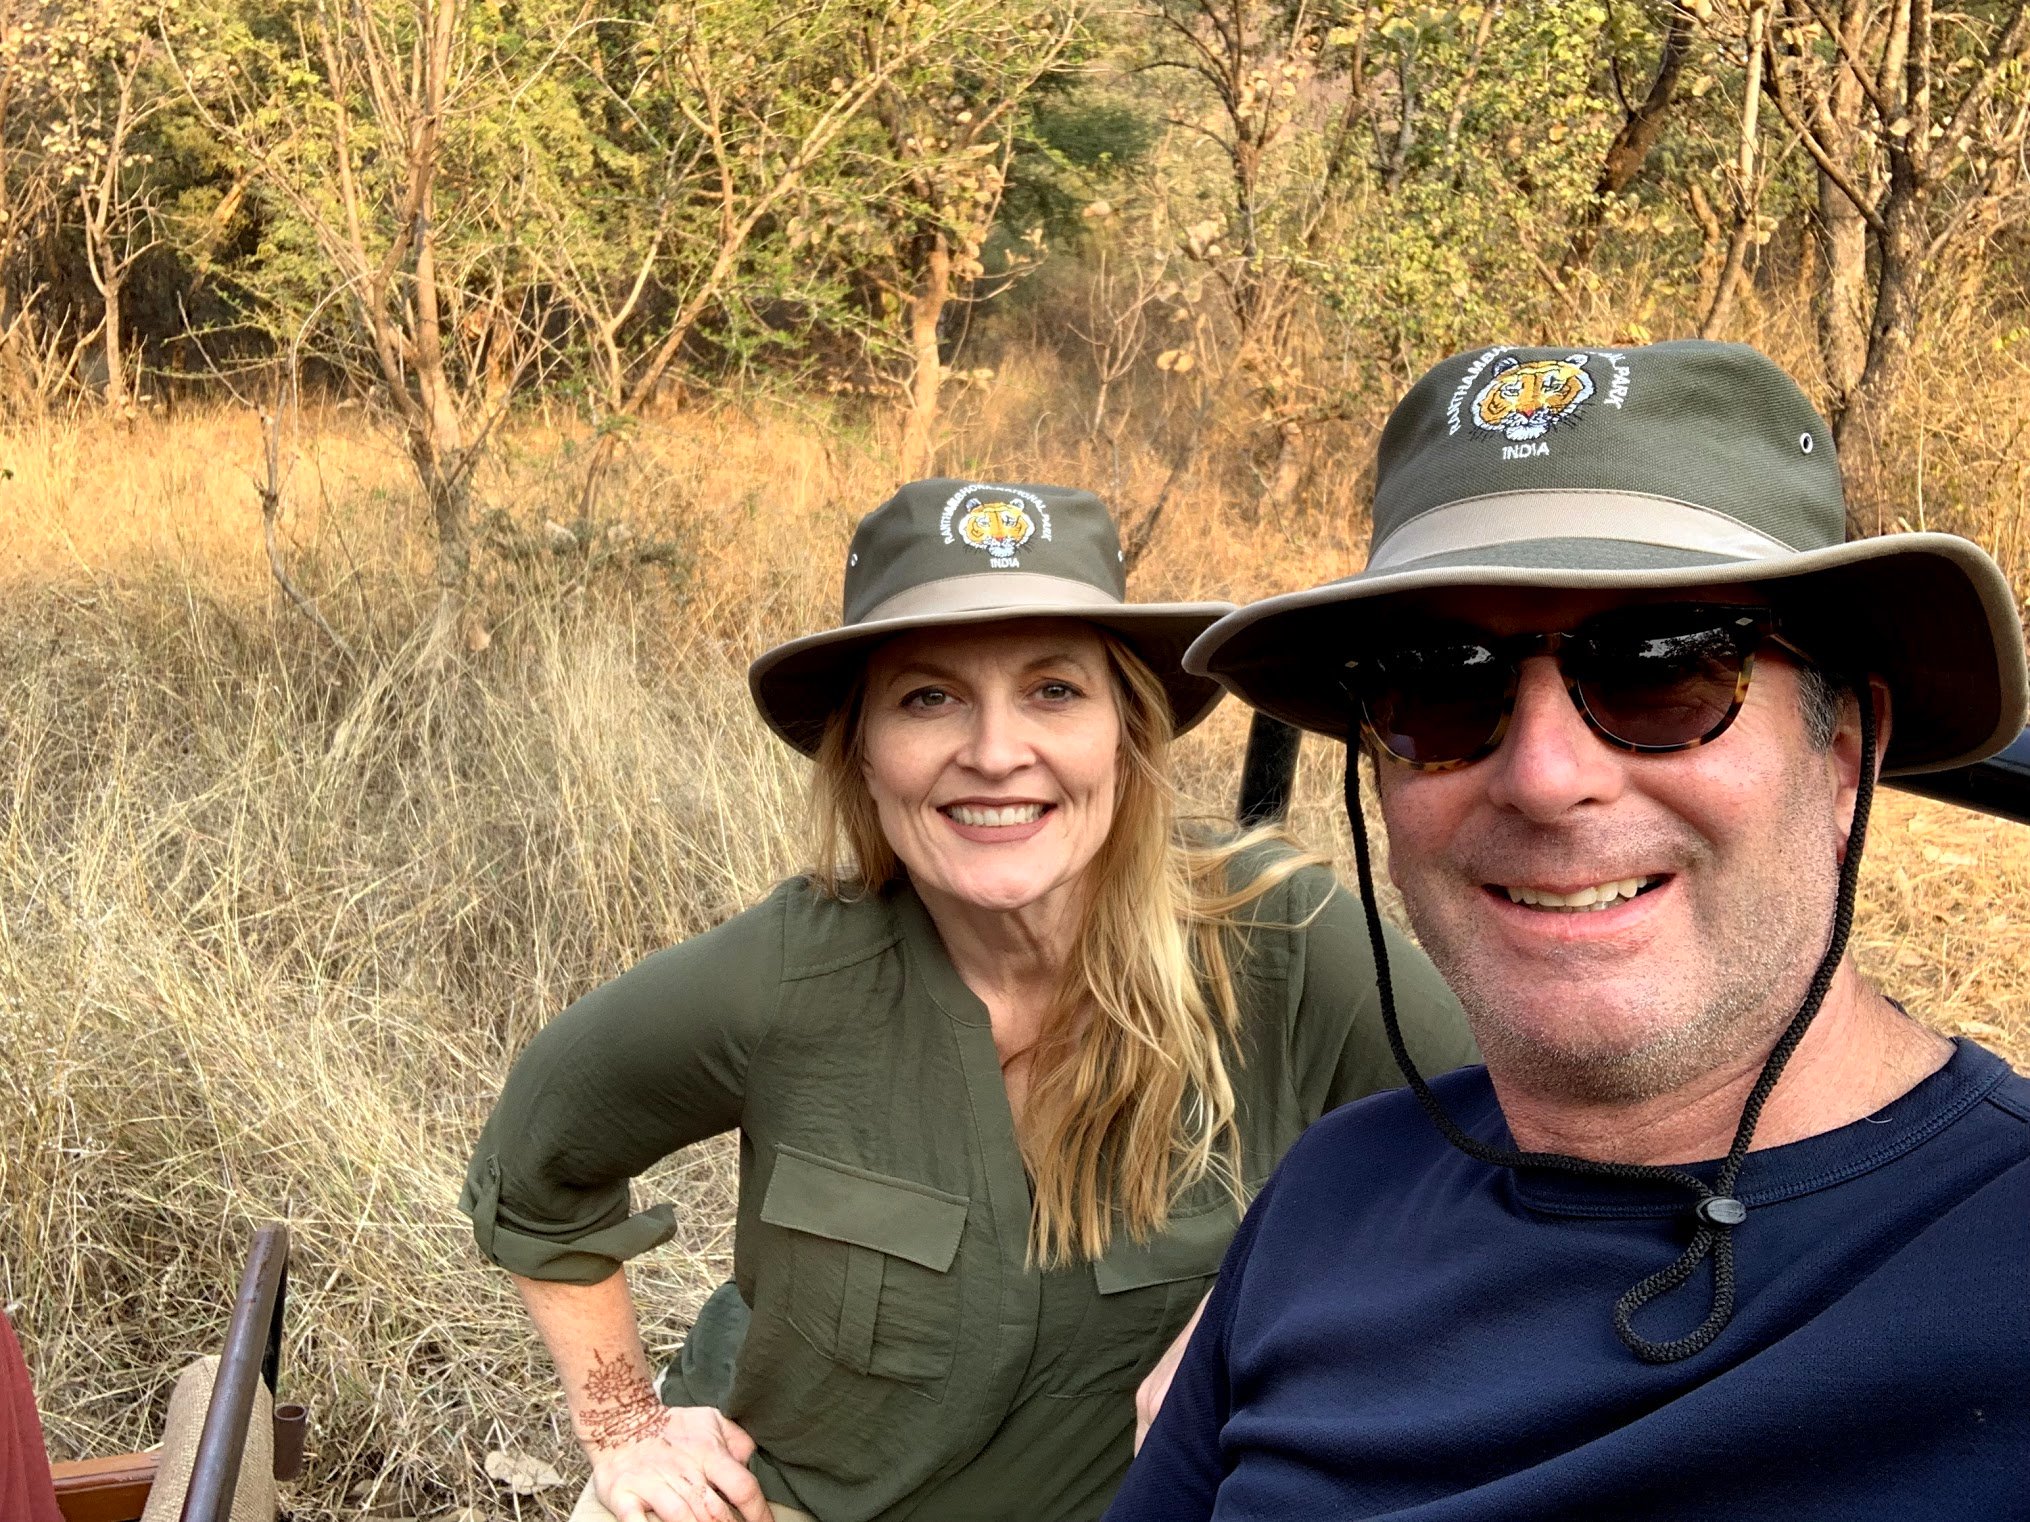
column 733, row 1481
column 679, row 1500
column 693, row 1470
column 735, row 1437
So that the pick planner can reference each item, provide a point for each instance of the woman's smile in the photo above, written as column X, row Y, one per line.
column 997, row 822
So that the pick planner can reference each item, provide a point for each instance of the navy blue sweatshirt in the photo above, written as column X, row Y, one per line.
column 1402, row 1332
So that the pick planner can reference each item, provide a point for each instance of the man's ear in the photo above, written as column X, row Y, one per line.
column 1846, row 751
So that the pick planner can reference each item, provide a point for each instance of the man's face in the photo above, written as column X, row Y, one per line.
column 1735, row 846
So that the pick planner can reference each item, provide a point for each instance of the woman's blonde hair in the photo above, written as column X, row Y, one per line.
column 1129, row 1100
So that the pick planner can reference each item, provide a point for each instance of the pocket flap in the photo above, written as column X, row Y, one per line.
column 1189, row 1247
column 897, row 1216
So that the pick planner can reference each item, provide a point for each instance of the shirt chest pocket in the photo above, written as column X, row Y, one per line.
column 1145, row 1292
column 870, row 1283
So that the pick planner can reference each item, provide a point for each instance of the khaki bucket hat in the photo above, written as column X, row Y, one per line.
column 1674, row 465
column 970, row 552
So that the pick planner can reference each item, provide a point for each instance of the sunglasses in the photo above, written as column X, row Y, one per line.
column 1651, row 678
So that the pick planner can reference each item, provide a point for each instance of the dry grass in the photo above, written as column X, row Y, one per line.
column 272, row 928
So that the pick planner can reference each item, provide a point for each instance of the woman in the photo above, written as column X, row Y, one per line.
column 1003, row 1065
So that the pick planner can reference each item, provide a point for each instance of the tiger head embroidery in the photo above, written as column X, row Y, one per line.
column 1000, row 527
column 1526, row 399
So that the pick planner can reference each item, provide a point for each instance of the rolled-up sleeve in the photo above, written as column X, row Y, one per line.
column 650, row 1062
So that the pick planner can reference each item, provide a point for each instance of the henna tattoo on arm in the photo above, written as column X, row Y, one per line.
column 620, row 1407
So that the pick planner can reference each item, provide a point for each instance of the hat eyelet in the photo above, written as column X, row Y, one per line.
column 1805, row 442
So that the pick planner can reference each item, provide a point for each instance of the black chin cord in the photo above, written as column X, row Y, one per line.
column 1715, row 1210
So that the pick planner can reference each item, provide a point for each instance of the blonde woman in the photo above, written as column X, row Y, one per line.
column 1004, row 1065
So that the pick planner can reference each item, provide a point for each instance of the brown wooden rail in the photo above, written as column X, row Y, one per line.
column 115, row 1488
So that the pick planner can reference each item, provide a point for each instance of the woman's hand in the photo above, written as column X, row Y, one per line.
column 650, row 1462
column 1156, row 1384
column 676, row 1464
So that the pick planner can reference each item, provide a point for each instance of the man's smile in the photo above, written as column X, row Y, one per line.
column 1589, row 898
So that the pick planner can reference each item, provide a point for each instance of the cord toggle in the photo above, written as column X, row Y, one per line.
column 1721, row 1210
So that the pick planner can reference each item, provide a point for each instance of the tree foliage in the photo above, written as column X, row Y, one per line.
column 453, row 206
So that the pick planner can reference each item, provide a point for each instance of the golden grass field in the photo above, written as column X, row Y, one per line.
column 272, row 926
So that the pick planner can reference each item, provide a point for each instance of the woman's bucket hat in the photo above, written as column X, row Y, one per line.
column 950, row 552
column 1676, row 465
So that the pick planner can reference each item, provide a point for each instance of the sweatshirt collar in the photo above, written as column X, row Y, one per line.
column 1797, row 1168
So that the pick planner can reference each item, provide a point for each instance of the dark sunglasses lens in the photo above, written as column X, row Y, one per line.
column 1666, row 683
column 1436, row 703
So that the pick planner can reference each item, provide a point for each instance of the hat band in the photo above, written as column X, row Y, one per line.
column 1511, row 517
column 986, row 591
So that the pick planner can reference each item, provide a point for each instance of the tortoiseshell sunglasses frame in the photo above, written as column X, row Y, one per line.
column 1757, row 627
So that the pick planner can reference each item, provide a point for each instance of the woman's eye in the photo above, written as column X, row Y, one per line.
column 925, row 698
column 1057, row 692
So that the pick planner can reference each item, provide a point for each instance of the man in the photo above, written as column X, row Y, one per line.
column 1718, row 1231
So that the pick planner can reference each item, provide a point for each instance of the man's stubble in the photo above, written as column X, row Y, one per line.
column 1760, row 928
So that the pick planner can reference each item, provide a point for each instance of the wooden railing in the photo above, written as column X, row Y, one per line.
column 116, row 1488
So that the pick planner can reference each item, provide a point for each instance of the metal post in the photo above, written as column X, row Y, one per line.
column 1269, row 774
column 1999, row 785
column 252, row 1347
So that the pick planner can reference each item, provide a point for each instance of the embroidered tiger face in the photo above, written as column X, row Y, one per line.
column 1526, row 399
column 999, row 527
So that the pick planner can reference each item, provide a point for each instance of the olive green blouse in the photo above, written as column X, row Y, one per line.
column 903, row 1361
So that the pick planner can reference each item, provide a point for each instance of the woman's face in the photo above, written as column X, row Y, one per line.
column 991, row 755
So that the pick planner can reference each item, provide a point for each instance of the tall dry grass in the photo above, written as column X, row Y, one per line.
column 272, row 925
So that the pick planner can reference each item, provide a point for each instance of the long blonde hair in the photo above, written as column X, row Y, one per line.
column 1129, row 1101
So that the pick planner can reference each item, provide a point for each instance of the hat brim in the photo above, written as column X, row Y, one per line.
column 1929, row 613
column 798, row 685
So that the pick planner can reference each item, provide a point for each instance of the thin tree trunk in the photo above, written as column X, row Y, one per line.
column 1291, row 456
column 1457, row 116
column 597, row 466
column 926, row 309
column 1747, row 185
column 1843, row 292
column 1843, row 296
column 1638, row 134
column 1899, row 294
column 438, row 446
column 114, row 349
column 438, row 431
column 1712, row 244
column 450, row 508
column 1721, row 312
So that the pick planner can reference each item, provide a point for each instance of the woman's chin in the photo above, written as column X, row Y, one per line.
column 1002, row 900
column 999, row 894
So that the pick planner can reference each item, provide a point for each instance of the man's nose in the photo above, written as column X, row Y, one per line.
column 1549, row 761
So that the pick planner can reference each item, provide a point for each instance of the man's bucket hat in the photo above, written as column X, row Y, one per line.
column 1675, row 465
column 968, row 552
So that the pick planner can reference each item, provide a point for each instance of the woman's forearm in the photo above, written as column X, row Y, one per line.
column 1156, row 1384
column 674, row 1465
column 594, row 1341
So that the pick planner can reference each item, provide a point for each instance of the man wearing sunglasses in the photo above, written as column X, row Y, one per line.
column 1719, row 1230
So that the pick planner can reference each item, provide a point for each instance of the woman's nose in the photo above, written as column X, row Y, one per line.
column 1550, row 761
column 998, row 743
